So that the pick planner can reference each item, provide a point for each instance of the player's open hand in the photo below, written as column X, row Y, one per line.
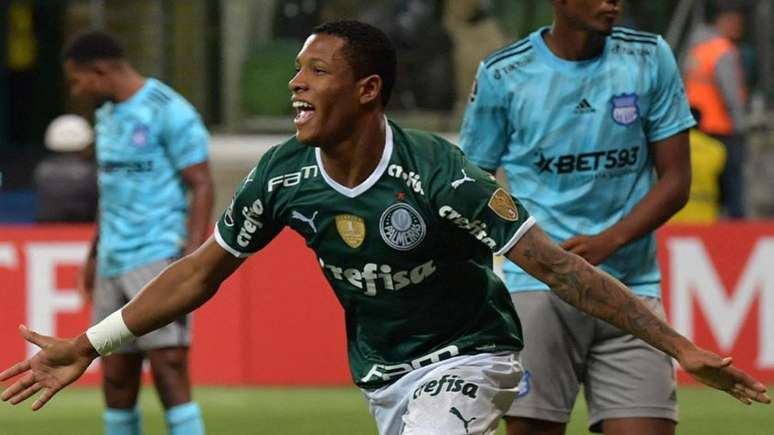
column 58, row 364
column 718, row 372
column 594, row 249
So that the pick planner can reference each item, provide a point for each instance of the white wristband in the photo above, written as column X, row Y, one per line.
column 109, row 334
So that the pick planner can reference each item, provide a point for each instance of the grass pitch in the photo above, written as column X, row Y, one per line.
column 331, row 411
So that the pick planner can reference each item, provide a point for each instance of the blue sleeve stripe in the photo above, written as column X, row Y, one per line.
column 515, row 46
column 507, row 55
column 160, row 94
column 640, row 41
column 635, row 33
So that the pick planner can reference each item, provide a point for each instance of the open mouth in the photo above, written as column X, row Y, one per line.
column 304, row 112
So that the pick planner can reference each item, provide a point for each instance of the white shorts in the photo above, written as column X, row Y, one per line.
column 464, row 395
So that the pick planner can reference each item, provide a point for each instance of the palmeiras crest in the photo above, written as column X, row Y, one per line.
column 626, row 109
column 402, row 227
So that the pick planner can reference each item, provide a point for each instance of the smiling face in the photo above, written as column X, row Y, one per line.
column 597, row 16
column 325, row 92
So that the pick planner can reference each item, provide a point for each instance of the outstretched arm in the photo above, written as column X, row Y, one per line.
column 597, row 293
column 179, row 289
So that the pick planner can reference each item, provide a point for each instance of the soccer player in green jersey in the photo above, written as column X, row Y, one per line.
column 403, row 228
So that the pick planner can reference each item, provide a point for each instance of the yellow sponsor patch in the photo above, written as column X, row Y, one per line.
column 352, row 229
column 502, row 204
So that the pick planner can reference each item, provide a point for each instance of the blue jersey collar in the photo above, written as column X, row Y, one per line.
column 568, row 66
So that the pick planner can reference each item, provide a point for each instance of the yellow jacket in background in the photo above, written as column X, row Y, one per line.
column 708, row 158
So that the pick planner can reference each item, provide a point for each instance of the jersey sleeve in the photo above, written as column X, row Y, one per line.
column 484, row 133
column 185, row 137
column 670, row 113
column 469, row 198
column 248, row 225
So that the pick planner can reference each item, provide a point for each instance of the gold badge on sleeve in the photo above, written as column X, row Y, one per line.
column 352, row 229
column 502, row 204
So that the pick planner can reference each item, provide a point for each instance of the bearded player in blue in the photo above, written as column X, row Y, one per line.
column 151, row 151
column 589, row 122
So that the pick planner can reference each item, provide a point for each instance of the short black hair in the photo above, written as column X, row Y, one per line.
column 368, row 50
column 91, row 46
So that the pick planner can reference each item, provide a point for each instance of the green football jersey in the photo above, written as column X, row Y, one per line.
column 408, row 252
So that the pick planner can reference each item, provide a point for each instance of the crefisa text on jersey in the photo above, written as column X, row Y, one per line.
column 373, row 274
column 412, row 179
column 251, row 223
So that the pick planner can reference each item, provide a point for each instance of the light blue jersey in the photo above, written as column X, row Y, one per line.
column 573, row 138
column 142, row 146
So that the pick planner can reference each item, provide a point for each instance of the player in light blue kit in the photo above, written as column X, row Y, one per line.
column 589, row 122
column 151, row 150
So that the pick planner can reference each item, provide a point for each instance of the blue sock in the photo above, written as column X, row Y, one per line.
column 185, row 419
column 122, row 421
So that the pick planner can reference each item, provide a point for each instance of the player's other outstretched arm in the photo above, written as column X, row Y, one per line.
column 578, row 283
column 179, row 289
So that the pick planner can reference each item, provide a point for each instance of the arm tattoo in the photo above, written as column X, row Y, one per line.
column 593, row 291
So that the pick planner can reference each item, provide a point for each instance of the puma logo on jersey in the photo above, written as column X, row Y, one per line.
column 456, row 412
column 447, row 384
column 302, row 218
column 379, row 275
column 457, row 183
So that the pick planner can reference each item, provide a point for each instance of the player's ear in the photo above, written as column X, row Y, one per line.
column 99, row 67
column 370, row 88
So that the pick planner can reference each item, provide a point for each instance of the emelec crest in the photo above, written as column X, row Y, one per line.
column 352, row 229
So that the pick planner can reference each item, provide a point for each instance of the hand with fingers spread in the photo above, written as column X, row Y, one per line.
column 710, row 369
column 58, row 364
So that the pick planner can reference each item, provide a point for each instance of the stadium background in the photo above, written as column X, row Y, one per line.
column 283, row 328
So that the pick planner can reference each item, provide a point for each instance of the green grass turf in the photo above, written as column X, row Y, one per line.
column 333, row 411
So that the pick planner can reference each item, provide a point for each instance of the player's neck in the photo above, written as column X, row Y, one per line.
column 573, row 44
column 351, row 161
column 127, row 82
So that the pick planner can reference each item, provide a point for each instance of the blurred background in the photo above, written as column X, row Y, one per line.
column 232, row 59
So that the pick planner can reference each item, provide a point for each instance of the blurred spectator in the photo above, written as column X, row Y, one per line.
column 708, row 158
column 715, row 84
column 66, row 182
column 424, row 52
column 475, row 34
column 294, row 18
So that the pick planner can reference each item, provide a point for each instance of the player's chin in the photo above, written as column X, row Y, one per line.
column 305, row 136
column 605, row 26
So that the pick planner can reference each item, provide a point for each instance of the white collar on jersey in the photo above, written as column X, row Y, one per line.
column 372, row 179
